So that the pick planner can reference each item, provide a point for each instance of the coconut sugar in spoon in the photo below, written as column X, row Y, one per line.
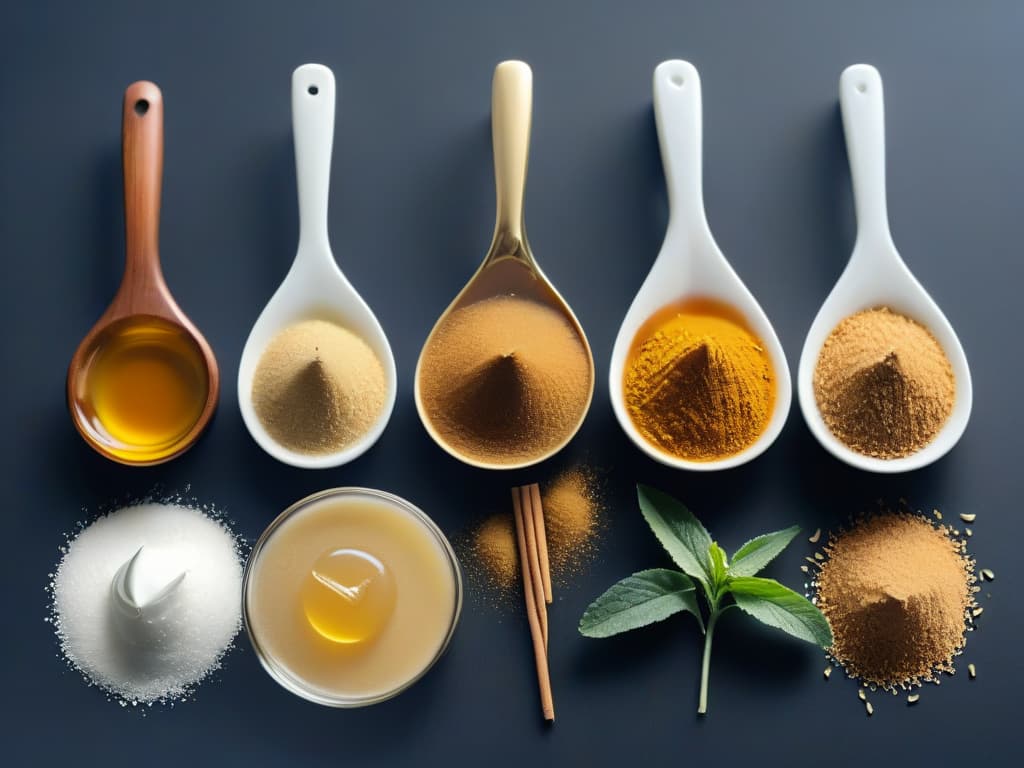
column 876, row 276
column 690, row 264
column 143, row 383
column 314, row 287
column 509, row 268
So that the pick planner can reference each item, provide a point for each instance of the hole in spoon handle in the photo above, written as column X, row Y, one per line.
column 511, row 113
column 313, row 104
column 678, row 114
column 863, row 108
column 142, row 154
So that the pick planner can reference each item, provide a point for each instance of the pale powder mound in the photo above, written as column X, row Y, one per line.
column 883, row 384
column 318, row 387
column 896, row 591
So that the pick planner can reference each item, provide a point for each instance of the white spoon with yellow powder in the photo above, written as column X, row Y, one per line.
column 691, row 266
column 315, row 288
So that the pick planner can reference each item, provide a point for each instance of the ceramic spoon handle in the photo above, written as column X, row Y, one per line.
column 142, row 155
column 677, row 113
column 313, row 96
column 511, row 108
column 863, row 109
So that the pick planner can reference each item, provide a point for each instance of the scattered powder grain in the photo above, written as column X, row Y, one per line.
column 897, row 591
column 573, row 518
column 697, row 383
column 155, row 655
column 318, row 387
column 883, row 384
column 504, row 380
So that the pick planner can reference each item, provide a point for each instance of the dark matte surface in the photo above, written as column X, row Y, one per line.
column 411, row 213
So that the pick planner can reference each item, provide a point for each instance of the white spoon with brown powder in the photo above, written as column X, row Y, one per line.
column 876, row 276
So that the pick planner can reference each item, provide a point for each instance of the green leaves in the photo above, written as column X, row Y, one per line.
column 653, row 595
column 679, row 532
column 759, row 551
column 639, row 600
column 777, row 606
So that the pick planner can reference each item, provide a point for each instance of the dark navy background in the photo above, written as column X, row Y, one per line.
column 411, row 214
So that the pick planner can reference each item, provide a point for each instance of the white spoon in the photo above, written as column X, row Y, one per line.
column 315, row 287
column 690, row 263
column 877, row 277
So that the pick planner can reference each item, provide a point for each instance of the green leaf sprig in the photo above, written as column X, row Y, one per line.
column 656, row 594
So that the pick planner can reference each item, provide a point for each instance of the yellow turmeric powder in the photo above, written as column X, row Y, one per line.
column 698, row 384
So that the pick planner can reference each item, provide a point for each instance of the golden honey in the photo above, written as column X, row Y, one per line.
column 350, row 596
column 143, row 389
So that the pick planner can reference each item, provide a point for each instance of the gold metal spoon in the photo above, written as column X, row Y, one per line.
column 143, row 383
column 509, row 268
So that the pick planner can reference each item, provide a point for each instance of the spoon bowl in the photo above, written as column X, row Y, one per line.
column 143, row 327
column 876, row 276
column 509, row 268
column 315, row 287
column 691, row 265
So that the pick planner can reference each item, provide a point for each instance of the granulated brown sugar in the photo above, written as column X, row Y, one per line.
column 883, row 384
column 504, row 380
column 898, row 592
column 573, row 516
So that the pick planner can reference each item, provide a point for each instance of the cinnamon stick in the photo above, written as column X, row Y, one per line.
column 533, row 561
column 532, row 615
column 542, row 541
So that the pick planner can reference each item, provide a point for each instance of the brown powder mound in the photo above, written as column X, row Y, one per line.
column 504, row 380
column 573, row 509
column 896, row 591
column 318, row 387
column 883, row 384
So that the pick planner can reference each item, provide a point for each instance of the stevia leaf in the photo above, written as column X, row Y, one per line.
column 639, row 600
column 719, row 563
column 758, row 552
column 679, row 532
column 778, row 606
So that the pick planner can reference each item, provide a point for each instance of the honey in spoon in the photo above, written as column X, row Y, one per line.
column 143, row 383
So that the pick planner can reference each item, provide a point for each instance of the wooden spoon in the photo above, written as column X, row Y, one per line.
column 143, row 321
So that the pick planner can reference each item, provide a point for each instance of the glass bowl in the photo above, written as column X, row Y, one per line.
column 278, row 670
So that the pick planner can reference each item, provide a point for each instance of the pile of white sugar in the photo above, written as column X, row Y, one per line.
column 191, row 636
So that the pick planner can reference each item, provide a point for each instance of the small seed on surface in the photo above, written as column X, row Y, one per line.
column 827, row 672
column 869, row 708
column 986, row 573
column 805, row 569
column 969, row 532
column 861, row 695
column 818, row 556
column 968, row 518
column 913, row 698
column 938, row 515
column 972, row 671
column 977, row 611
column 817, row 535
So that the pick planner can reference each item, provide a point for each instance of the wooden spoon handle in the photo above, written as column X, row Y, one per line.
column 142, row 148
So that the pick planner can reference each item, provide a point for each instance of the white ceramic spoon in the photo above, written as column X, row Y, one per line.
column 875, row 277
column 315, row 287
column 690, row 263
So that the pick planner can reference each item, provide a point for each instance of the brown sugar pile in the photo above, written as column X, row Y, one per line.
column 504, row 380
column 573, row 516
column 897, row 592
column 318, row 387
column 883, row 384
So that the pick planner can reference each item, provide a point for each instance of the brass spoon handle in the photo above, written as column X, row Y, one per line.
column 511, row 108
column 142, row 152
